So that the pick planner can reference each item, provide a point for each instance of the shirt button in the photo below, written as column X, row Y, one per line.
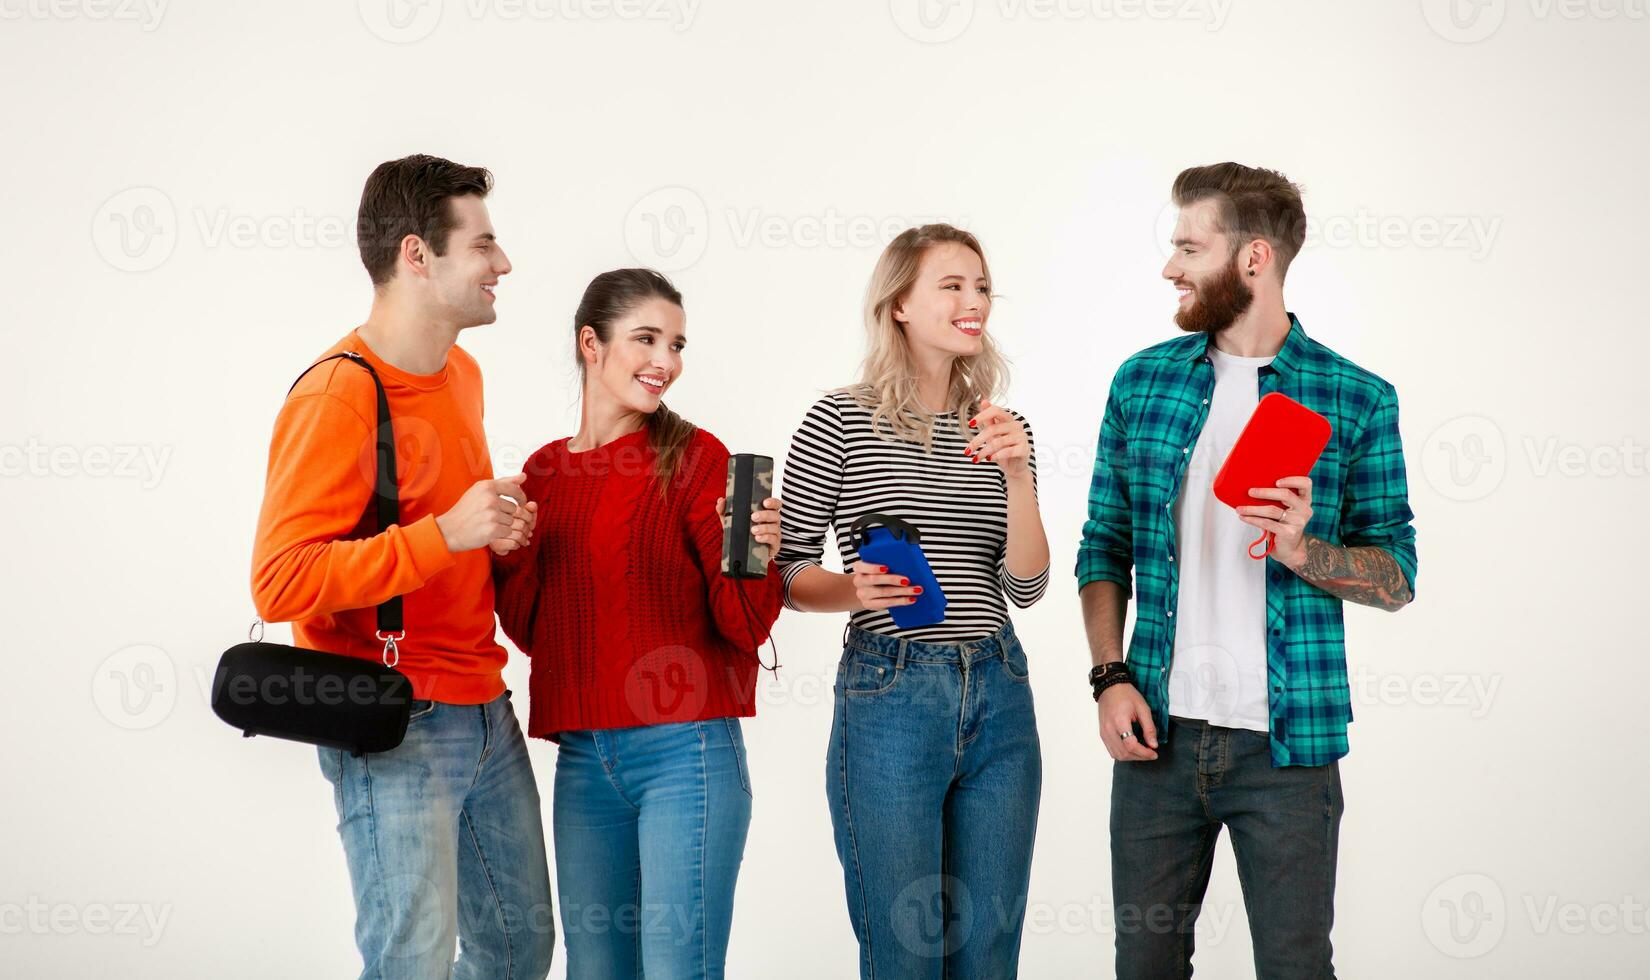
column 1171, row 558
column 1205, row 401
column 1171, row 614
column 1186, row 450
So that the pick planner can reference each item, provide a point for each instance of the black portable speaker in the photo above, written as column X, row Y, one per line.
column 318, row 697
column 750, row 481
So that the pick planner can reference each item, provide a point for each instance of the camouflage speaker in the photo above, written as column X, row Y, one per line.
column 750, row 481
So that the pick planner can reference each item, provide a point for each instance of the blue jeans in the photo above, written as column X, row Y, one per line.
column 650, row 826
column 444, row 841
column 1166, row 815
column 933, row 775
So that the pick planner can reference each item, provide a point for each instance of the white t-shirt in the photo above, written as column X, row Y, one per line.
column 1219, row 669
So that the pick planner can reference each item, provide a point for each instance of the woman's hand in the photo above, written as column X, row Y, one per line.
column 1000, row 439
column 764, row 523
column 874, row 588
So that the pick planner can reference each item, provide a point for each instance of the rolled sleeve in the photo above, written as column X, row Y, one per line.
column 1376, row 512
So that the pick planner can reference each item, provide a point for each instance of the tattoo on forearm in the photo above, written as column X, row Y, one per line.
column 1368, row 576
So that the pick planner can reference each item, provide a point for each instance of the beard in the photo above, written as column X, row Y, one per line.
column 1217, row 303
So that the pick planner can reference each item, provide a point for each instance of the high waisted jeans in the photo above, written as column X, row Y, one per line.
column 443, row 838
column 650, row 827
column 933, row 775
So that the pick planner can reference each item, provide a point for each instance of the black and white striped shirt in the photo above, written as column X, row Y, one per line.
column 838, row 470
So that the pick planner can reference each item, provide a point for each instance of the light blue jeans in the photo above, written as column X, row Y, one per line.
column 934, row 775
column 650, row 827
column 444, row 841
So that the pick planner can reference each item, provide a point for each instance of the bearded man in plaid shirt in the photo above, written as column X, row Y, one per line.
column 1232, row 706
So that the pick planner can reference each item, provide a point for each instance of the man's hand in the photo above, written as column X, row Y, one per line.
column 525, row 519
column 487, row 512
column 1121, row 706
column 1287, row 519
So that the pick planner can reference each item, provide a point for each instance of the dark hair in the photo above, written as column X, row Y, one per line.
column 410, row 196
column 1253, row 203
column 608, row 297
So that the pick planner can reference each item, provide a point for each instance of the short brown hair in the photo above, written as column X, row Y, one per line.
column 409, row 197
column 1252, row 203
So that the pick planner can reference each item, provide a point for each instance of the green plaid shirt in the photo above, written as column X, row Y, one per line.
column 1158, row 403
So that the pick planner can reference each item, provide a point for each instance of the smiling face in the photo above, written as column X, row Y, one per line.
column 642, row 357
column 1205, row 271
column 461, row 281
column 946, row 308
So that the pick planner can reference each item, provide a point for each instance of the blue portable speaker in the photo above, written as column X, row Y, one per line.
column 885, row 540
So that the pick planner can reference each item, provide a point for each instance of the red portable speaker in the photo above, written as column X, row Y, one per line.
column 1282, row 438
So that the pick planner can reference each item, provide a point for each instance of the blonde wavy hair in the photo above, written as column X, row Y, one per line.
column 888, row 377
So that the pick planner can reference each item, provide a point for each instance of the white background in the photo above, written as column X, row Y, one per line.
column 178, row 184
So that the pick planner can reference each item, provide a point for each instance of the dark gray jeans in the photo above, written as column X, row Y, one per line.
column 1165, row 818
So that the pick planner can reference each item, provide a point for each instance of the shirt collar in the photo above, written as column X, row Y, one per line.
column 1285, row 361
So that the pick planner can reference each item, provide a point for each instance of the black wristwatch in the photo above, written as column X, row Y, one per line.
column 1103, row 676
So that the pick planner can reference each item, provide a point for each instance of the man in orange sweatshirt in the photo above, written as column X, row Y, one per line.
column 442, row 834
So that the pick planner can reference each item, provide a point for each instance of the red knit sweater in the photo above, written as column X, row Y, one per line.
column 620, row 601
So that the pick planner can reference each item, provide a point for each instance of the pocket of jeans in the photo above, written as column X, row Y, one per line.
column 736, row 735
column 420, row 709
column 1014, row 663
column 870, row 676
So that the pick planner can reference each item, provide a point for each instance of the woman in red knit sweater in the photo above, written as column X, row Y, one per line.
column 644, row 656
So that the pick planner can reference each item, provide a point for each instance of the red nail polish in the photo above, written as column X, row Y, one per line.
column 905, row 581
column 973, row 424
column 919, row 590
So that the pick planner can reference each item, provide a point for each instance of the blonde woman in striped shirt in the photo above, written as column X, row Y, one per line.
column 934, row 769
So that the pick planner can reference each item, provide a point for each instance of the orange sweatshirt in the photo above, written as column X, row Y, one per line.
column 320, row 561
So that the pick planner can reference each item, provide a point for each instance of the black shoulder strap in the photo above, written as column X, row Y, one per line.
column 386, row 493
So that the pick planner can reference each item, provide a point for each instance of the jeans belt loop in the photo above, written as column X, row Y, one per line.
column 904, row 645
